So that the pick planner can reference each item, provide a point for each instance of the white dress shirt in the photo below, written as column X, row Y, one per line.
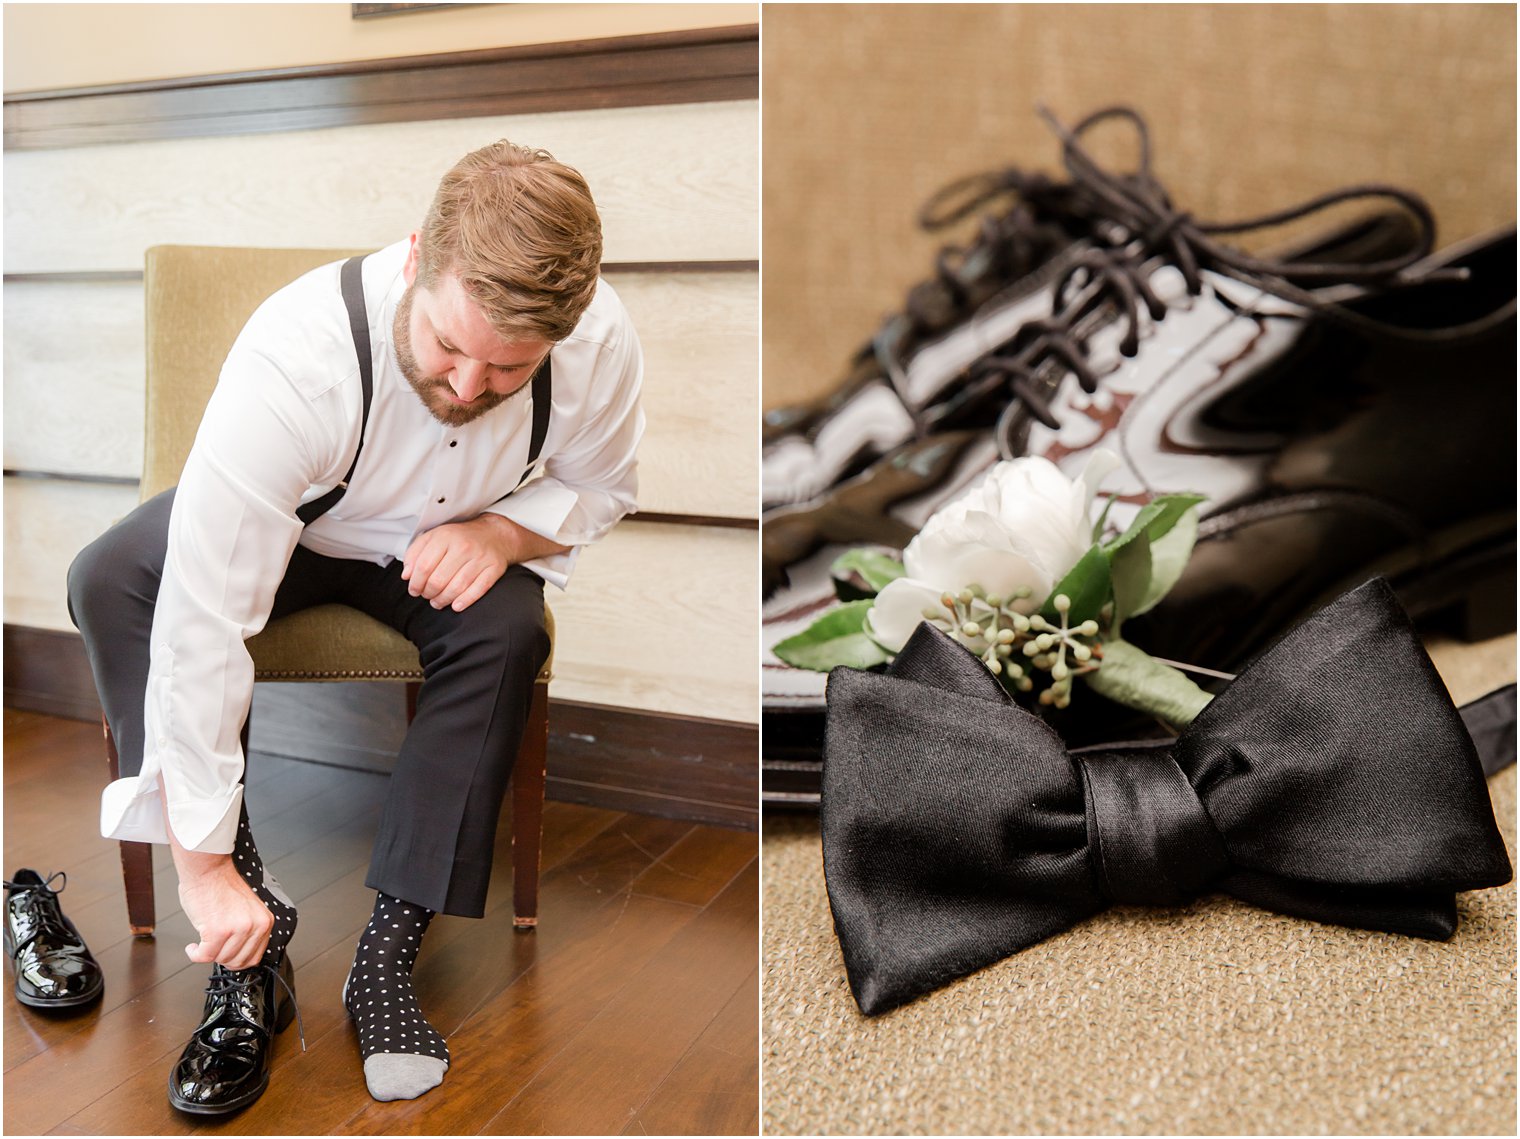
column 281, row 429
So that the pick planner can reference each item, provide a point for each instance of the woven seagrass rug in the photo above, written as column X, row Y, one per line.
column 1216, row 1018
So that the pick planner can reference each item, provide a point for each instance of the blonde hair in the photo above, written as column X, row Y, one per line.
column 523, row 236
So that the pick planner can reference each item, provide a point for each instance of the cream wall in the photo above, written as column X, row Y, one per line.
column 50, row 46
column 674, row 183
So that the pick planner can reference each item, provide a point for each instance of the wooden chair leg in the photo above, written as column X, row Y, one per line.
column 528, row 810
column 136, row 861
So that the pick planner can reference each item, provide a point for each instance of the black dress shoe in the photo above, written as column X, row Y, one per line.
column 980, row 293
column 54, row 969
column 1348, row 412
column 225, row 1066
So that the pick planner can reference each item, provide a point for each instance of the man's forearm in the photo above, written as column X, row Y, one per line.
column 231, row 923
column 191, row 865
column 197, row 865
column 525, row 544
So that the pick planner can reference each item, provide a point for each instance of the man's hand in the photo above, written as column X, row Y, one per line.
column 454, row 564
column 233, row 924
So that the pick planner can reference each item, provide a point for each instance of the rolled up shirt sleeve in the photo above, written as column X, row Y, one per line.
column 263, row 443
column 591, row 481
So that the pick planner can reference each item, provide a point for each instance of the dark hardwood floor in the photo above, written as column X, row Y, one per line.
column 632, row 1009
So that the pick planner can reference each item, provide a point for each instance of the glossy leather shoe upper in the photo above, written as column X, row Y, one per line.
column 1348, row 411
column 225, row 1065
column 990, row 285
column 54, row 968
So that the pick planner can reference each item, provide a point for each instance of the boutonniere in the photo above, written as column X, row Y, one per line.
column 1019, row 572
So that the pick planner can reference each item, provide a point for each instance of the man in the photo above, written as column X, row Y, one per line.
column 439, row 501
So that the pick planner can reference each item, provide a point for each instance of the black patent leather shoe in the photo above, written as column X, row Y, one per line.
column 1347, row 410
column 54, row 969
column 225, row 1066
column 993, row 282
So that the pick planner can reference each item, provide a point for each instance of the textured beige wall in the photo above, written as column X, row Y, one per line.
column 868, row 110
column 79, row 45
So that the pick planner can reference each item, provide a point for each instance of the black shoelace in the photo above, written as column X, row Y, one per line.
column 1024, row 219
column 1007, row 244
column 1025, row 215
column 1151, row 232
column 226, row 982
column 49, row 918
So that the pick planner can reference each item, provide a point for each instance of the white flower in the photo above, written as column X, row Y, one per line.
column 1024, row 526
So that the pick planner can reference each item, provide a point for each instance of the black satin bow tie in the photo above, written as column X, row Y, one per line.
column 1332, row 780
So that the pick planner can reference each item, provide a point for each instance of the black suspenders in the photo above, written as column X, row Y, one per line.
column 543, row 385
column 358, row 323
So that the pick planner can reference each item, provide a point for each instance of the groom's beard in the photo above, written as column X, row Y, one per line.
column 435, row 392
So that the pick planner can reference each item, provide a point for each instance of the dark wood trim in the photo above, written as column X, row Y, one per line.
column 679, row 767
column 46, row 670
column 370, row 11
column 615, row 267
column 77, row 276
column 705, row 65
column 682, row 767
column 135, row 276
column 71, row 476
column 567, row 49
column 721, row 520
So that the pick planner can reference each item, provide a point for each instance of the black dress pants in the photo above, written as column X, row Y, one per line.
column 436, row 835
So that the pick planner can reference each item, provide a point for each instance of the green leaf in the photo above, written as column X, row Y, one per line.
column 836, row 638
column 873, row 570
column 1169, row 556
column 1156, row 519
column 1134, row 678
column 1131, row 572
column 1087, row 584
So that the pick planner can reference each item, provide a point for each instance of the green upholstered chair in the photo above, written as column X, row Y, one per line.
column 197, row 299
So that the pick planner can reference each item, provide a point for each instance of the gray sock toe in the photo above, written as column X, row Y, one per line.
column 401, row 1075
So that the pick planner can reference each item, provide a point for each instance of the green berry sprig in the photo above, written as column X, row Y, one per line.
column 1048, row 649
column 1013, row 646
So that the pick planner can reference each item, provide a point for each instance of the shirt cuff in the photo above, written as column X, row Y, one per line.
column 542, row 506
column 555, row 568
column 131, row 809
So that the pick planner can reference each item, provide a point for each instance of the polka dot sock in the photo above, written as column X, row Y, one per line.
column 403, row 1055
column 245, row 856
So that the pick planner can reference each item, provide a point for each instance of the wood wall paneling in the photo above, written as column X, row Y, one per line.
column 47, row 522
column 676, row 183
column 657, row 617
column 662, row 618
column 74, row 377
column 64, row 339
column 701, row 338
